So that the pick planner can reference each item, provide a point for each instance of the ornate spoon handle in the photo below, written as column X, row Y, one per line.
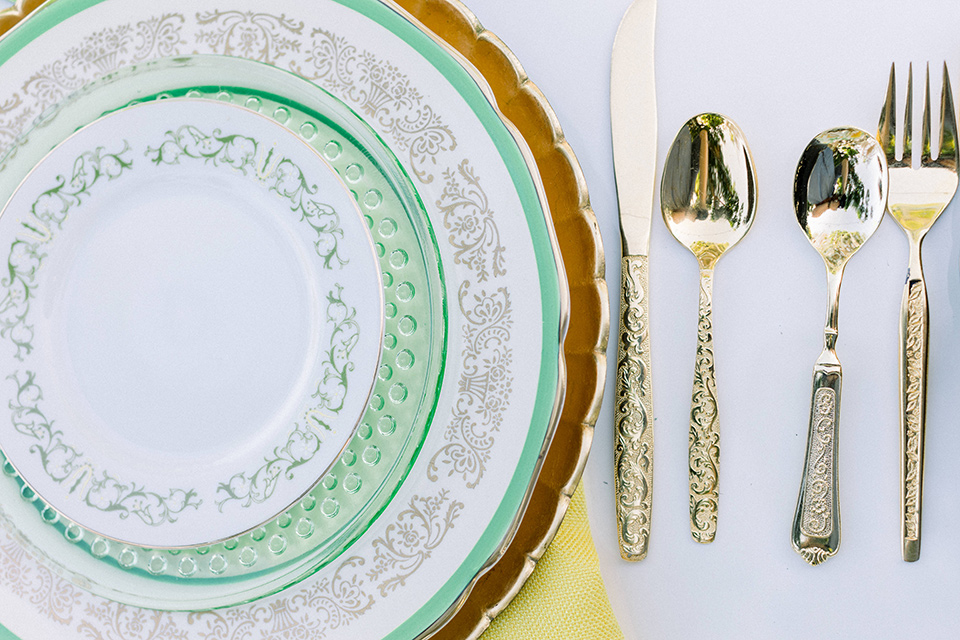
column 704, row 425
column 816, row 526
column 633, row 453
column 913, row 410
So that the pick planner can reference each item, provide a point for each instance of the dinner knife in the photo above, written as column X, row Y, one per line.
column 633, row 112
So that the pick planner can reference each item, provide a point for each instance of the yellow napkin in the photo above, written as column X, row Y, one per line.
column 564, row 599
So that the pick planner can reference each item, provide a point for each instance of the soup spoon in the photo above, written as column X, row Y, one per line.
column 709, row 198
column 840, row 195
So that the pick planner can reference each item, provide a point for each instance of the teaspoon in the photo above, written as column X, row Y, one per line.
column 709, row 198
column 840, row 195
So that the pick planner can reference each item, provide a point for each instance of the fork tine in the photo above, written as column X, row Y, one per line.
column 948, row 124
column 925, row 154
column 908, row 121
column 887, row 130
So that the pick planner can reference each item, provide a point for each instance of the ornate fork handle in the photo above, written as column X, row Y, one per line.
column 918, row 195
column 633, row 453
column 913, row 391
column 704, row 449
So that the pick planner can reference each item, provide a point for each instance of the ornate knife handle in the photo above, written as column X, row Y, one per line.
column 913, row 410
column 816, row 526
column 704, row 450
column 633, row 453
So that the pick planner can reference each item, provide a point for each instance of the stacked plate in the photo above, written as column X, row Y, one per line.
column 281, row 321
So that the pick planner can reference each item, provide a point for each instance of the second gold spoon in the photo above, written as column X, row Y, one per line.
column 709, row 198
column 840, row 194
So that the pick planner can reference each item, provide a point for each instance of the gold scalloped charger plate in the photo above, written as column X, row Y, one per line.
column 409, row 574
column 585, row 345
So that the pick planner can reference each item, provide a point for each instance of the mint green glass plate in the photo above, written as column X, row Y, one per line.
column 344, row 502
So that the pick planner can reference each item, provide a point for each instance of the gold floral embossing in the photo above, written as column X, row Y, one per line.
column 377, row 89
column 814, row 555
column 101, row 52
column 52, row 597
column 817, row 518
column 159, row 36
column 409, row 541
column 633, row 453
column 473, row 233
column 97, row 53
column 252, row 35
column 109, row 621
column 836, row 247
column 914, row 356
column 708, row 252
column 484, row 388
column 332, row 603
column 12, row 122
column 328, row 604
column 52, row 83
column 704, row 426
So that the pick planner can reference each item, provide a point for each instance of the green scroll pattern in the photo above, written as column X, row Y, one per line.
column 62, row 462
column 304, row 441
column 280, row 175
column 48, row 213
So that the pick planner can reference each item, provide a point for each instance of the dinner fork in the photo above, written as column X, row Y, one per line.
column 917, row 197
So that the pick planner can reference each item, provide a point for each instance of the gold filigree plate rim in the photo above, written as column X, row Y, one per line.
column 578, row 234
column 522, row 102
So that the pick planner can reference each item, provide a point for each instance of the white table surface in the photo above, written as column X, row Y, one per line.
column 784, row 72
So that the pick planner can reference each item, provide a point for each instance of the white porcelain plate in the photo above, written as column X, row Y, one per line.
column 195, row 295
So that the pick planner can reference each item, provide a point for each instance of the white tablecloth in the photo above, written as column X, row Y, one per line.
column 784, row 72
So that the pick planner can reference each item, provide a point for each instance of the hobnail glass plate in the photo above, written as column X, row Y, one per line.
column 333, row 513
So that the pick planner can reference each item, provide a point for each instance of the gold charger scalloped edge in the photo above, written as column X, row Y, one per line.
column 578, row 234
column 16, row 13
column 586, row 343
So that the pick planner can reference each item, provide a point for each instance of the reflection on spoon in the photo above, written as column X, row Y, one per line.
column 709, row 198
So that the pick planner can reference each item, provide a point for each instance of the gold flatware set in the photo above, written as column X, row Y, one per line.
column 845, row 180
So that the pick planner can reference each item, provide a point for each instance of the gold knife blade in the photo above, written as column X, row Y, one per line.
column 633, row 112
